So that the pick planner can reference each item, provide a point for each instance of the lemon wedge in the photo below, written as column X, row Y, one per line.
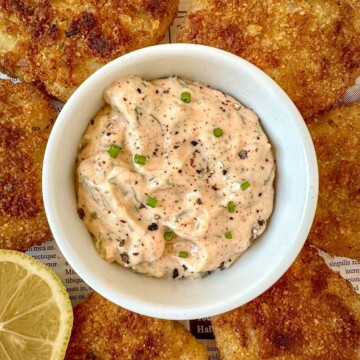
column 35, row 310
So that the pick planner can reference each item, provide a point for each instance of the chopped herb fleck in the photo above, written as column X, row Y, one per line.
column 93, row 215
column 140, row 159
column 169, row 235
column 231, row 207
column 218, row 132
column 114, row 151
column 245, row 185
column 183, row 254
column 228, row 235
column 180, row 214
column 186, row 97
column 150, row 201
column 156, row 119
column 136, row 111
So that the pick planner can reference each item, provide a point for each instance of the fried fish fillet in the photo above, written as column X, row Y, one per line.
column 60, row 43
column 336, row 137
column 310, row 313
column 310, row 48
column 105, row 331
column 26, row 118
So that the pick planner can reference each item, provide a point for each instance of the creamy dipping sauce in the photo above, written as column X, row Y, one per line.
column 174, row 178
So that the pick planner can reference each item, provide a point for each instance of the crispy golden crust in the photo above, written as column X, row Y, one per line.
column 26, row 118
column 310, row 48
column 105, row 331
column 61, row 43
column 310, row 313
column 336, row 137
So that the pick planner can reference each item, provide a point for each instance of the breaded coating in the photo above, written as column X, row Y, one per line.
column 310, row 313
column 60, row 43
column 105, row 331
column 336, row 137
column 310, row 48
column 26, row 119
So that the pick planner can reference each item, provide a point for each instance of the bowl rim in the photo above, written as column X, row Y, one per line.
column 156, row 310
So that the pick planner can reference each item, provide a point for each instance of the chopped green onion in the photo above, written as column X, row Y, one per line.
column 169, row 235
column 150, row 201
column 228, row 235
column 245, row 185
column 183, row 254
column 231, row 207
column 186, row 97
column 218, row 132
column 139, row 159
column 114, row 151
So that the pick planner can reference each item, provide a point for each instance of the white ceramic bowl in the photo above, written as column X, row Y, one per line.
column 264, row 262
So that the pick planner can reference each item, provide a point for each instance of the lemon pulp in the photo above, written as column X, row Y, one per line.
column 35, row 310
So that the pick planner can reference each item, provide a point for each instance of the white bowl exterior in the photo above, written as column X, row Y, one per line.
column 295, row 197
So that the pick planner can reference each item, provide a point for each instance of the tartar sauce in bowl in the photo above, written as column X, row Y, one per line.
column 174, row 178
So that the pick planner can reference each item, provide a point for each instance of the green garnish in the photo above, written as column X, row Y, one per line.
column 150, row 201
column 183, row 254
column 136, row 111
column 231, row 207
column 169, row 235
column 180, row 214
column 228, row 235
column 245, row 185
column 156, row 119
column 139, row 159
column 186, row 97
column 218, row 132
column 114, row 151
column 93, row 215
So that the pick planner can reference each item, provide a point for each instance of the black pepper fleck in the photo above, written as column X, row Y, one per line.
column 194, row 143
column 175, row 273
column 153, row 227
column 81, row 213
column 125, row 258
column 243, row 154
